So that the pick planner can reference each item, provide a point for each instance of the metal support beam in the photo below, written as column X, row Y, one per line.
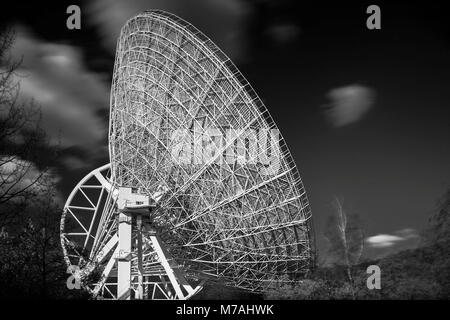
column 140, row 291
column 123, row 258
column 167, row 268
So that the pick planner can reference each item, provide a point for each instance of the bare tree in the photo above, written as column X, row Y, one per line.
column 24, row 148
column 346, row 239
column 30, row 255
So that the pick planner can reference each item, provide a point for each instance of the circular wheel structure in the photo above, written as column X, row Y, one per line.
column 88, row 223
column 202, row 183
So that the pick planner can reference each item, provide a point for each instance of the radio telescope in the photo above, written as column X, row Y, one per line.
column 200, row 185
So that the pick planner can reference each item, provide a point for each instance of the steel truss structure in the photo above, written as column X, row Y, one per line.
column 201, row 183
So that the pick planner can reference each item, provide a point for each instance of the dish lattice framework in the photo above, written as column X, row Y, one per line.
column 231, row 220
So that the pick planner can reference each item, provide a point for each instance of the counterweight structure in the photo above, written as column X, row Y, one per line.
column 201, row 183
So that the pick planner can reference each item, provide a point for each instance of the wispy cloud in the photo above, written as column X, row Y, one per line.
column 348, row 104
column 17, row 174
column 69, row 95
column 284, row 32
column 383, row 240
column 389, row 240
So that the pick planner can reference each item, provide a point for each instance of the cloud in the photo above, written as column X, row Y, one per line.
column 407, row 233
column 17, row 174
column 68, row 94
column 222, row 20
column 73, row 162
column 383, row 240
column 23, row 178
column 390, row 240
column 348, row 104
column 284, row 32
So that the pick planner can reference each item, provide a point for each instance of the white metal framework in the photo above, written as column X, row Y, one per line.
column 202, row 184
column 112, row 251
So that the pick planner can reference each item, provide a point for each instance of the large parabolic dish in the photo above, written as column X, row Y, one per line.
column 188, row 130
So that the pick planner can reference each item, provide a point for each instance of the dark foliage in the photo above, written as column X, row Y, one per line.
column 31, row 262
column 421, row 273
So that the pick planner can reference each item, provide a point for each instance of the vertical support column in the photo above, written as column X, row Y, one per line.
column 140, row 291
column 123, row 259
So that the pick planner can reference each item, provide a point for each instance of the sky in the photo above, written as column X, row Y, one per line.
column 364, row 112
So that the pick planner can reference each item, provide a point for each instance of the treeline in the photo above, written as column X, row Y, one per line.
column 421, row 273
column 31, row 261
